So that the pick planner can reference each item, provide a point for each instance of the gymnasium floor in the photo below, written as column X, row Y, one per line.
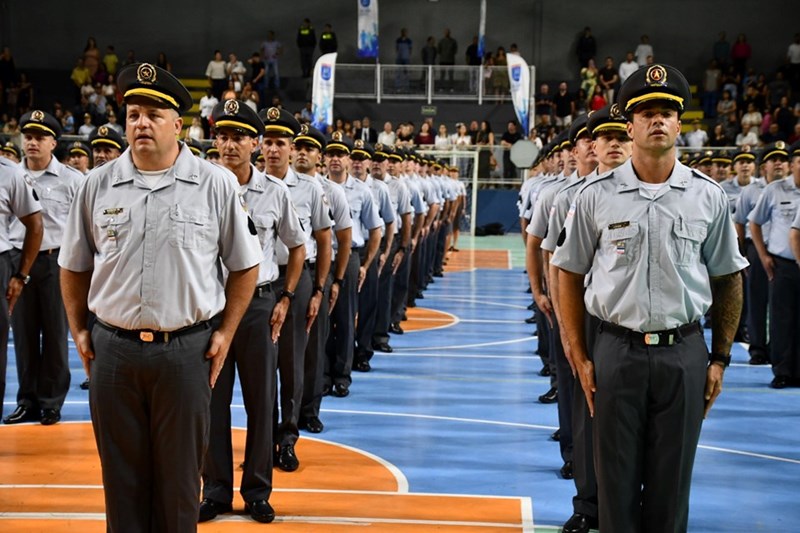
column 445, row 434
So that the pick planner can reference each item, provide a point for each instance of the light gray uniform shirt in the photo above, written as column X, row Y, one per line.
column 311, row 205
column 154, row 253
column 380, row 193
column 363, row 210
column 16, row 199
column 418, row 205
column 268, row 202
column 778, row 206
column 55, row 190
column 400, row 198
column 558, row 213
column 650, row 255
column 540, row 215
column 339, row 210
column 745, row 204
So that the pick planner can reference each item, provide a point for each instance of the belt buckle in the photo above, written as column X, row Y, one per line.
column 146, row 336
column 651, row 339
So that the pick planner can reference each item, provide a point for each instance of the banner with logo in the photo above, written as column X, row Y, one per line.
column 367, row 28
column 520, row 77
column 482, row 31
column 322, row 92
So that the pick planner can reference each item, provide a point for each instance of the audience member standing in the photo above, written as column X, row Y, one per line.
column 216, row 74
column 327, row 40
column 740, row 53
column 609, row 78
column 564, row 105
column 508, row 139
column 587, row 47
column 643, row 51
column 627, row 67
column 793, row 55
column 447, row 49
column 429, row 51
column 272, row 50
column 306, row 42
column 91, row 56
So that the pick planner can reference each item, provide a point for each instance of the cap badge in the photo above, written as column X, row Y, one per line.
column 37, row 116
column 780, row 145
column 379, row 147
column 77, row 144
column 656, row 75
column 273, row 113
column 231, row 107
column 303, row 129
column 359, row 143
column 146, row 74
column 614, row 113
column 336, row 136
column 102, row 131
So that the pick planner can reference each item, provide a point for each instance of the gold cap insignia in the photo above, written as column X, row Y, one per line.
column 146, row 74
column 780, row 145
column 303, row 129
column 336, row 136
column 37, row 116
column 102, row 131
column 614, row 113
column 359, row 143
column 656, row 75
column 379, row 147
column 746, row 148
column 77, row 144
column 231, row 107
column 273, row 113
column 708, row 153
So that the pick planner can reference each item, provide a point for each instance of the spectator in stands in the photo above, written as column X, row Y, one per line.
column 697, row 138
column 195, row 131
column 307, row 113
column 748, row 137
column 429, row 51
column 271, row 50
column 773, row 134
column 161, row 61
column 643, row 51
column 485, row 140
column 111, row 92
column 8, row 74
column 235, row 70
column 784, row 117
column 730, row 122
column 87, row 127
column 327, row 40
column 387, row 136
column 91, row 56
column 114, row 124
column 500, row 83
column 402, row 48
column 587, row 47
column 589, row 76
column 718, row 137
column 752, row 117
column 366, row 132
column 740, row 54
column 473, row 131
column 793, row 56
column 406, row 134
column 24, row 90
column 722, row 51
column 442, row 140
column 795, row 134
column 628, row 67
column 488, row 73
column 250, row 96
column 711, row 83
column 258, row 75
column 727, row 104
column 306, row 42
column 508, row 139
column 461, row 139
column 425, row 137
column 778, row 88
column 447, row 48
column 110, row 60
column 216, row 74
column 12, row 131
column 98, row 101
column 598, row 101
column 68, row 122
column 609, row 78
column 582, row 102
column 130, row 58
column 207, row 104
column 473, row 59
column 80, row 75
column 544, row 105
column 564, row 104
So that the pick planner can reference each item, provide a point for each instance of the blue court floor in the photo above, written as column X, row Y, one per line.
column 455, row 410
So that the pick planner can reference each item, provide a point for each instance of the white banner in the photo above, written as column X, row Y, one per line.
column 322, row 92
column 482, row 31
column 367, row 28
column 520, row 77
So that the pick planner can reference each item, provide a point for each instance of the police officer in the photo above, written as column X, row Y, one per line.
column 253, row 350
column 306, row 42
column 212, row 154
column 309, row 200
column 17, row 201
column 361, row 166
column 778, row 206
column 659, row 243
column 107, row 145
column 78, row 157
column 612, row 147
column 142, row 251
column 309, row 145
column 11, row 151
column 365, row 241
column 39, row 322
column 757, row 285
column 195, row 147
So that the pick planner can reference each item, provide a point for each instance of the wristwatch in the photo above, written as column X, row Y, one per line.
column 22, row 277
column 720, row 358
column 319, row 289
column 287, row 294
column 338, row 281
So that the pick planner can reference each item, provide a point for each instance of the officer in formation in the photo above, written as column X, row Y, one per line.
column 39, row 322
column 300, row 302
column 777, row 206
column 142, row 250
column 78, row 157
column 253, row 351
column 18, row 200
column 11, row 152
column 645, row 232
column 309, row 146
column 106, row 144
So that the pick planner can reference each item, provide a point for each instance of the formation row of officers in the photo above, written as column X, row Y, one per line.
column 628, row 249
column 175, row 273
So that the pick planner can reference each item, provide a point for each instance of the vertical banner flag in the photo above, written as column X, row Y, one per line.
column 368, row 28
column 482, row 31
column 520, row 77
column 322, row 92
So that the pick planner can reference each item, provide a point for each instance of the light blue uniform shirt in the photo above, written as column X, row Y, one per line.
column 400, row 197
column 380, row 193
column 311, row 205
column 544, row 202
column 16, row 199
column 650, row 256
column 777, row 205
column 745, row 204
column 363, row 210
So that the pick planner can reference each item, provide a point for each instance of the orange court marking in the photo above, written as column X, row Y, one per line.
column 472, row 259
column 420, row 318
column 51, row 483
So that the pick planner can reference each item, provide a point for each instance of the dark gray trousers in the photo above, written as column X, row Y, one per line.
column 341, row 339
column 367, row 311
column 400, row 287
column 314, row 371
column 565, row 382
column 6, row 269
column 386, row 279
column 757, row 303
column 784, row 326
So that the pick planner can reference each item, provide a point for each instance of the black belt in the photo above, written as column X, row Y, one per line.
column 357, row 249
column 666, row 337
column 282, row 268
column 148, row 335
column 262, row 289
column 782, row 259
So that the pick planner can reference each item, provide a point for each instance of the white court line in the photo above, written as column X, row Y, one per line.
column 527, row 515
column 464, row 320
column 458, row 355
column 461, row 346
column 750, row 454
column 476, row 301
column 439, row 417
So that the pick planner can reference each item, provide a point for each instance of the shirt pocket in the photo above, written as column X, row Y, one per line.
column 787, row 211
column 622, row 244
column 687, row 240
column 113, row 230
column 265, row 226
column 56, row 203
column 188, row 226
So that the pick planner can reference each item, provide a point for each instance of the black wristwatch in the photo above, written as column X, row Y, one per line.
column 338, row 281
column 318, row 289
column 22, row 277
column 287, row 294
column 720, row 358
